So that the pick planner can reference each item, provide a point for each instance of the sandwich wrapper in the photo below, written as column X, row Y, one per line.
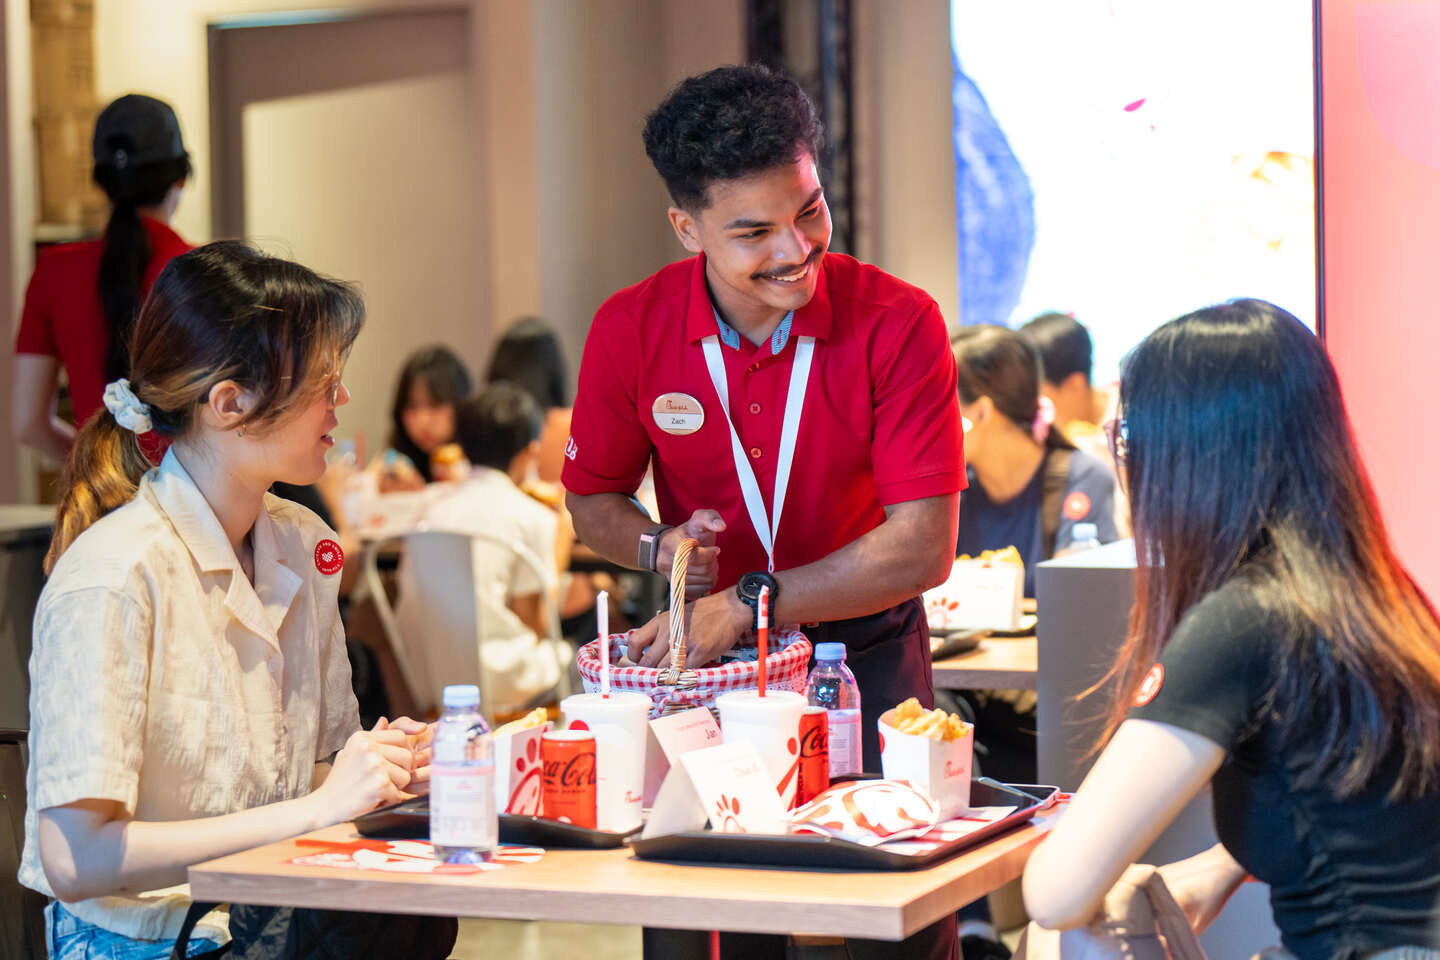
column 869, row 812
column 518, row 771
column 938, row 768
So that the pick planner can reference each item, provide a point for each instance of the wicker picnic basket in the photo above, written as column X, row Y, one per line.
column 677, row 688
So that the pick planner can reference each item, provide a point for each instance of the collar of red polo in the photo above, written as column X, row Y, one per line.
column 811, row 320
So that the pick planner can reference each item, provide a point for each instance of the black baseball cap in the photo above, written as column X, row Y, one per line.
column 136, row 130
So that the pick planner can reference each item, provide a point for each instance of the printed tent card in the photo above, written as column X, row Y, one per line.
column 728, row 785
column 671, row 737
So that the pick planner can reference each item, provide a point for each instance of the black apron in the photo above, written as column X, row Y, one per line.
column 889, row 653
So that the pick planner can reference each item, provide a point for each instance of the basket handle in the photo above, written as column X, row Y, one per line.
column 678, row 569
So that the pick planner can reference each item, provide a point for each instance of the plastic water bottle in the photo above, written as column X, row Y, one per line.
column 1084, row 536
column 833, row 687
column 464, row 827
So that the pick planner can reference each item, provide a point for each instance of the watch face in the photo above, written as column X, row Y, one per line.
column 750, row 584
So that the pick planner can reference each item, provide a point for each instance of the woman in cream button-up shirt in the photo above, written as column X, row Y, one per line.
column 189, row 676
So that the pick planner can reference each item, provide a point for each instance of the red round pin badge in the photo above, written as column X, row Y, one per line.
column 1077, row 506
column 1150, row 686
column 329, row 558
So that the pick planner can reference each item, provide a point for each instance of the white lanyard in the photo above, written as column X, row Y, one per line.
column 789, row 430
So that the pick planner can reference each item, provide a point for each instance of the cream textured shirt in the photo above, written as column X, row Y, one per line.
column 518, row 665
column 162, row 679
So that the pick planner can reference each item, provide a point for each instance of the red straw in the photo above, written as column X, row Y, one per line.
column 763, row 630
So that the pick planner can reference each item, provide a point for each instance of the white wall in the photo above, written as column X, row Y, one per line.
column 17, row 213
column 399, row 223
column 569, row 207
column 905, row 166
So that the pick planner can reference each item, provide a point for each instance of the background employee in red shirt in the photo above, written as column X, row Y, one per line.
column 81, row 301
column 867, row 511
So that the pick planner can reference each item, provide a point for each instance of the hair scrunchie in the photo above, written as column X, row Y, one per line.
column 1044, row 416
column 126, row 408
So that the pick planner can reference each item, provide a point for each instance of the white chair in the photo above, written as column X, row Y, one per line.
column 440, row 639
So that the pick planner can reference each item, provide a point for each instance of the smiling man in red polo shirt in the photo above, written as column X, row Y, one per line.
column 799, row 406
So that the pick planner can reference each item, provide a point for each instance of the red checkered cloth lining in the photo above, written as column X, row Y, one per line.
column 785, row 670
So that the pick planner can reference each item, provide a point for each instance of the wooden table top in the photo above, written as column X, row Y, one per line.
column 999, row 663
column 613, row 886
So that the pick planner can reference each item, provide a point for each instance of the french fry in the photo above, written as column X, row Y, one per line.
column 911, row 718
column 534, row 718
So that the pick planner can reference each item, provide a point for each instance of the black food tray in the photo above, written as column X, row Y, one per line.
column 808, row 850
column 956, row 642
column 411, row 821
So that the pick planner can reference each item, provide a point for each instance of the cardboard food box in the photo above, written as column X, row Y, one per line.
column 518, row 771
column 978, row 595
column 941, row 768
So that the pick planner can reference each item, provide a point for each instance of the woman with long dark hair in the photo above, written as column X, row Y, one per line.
column 432, row 384
column 1277, row 651
column 1028, row 485
column 81, row 302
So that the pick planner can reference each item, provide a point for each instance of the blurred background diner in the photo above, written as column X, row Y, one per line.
column 1062, row 177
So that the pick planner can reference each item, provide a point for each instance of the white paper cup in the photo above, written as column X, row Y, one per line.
column 619, row 726
column 772, row 724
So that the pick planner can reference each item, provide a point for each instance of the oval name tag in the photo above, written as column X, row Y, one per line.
column 678, row 413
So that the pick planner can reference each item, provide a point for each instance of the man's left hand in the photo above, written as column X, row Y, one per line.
column 716, row 622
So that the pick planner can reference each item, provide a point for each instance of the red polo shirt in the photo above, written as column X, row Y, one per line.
column 62, row 317
column 881, row 421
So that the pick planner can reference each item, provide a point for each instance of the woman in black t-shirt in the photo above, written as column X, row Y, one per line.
column 1279, row 653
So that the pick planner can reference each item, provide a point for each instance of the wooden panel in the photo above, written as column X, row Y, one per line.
column 612, row 886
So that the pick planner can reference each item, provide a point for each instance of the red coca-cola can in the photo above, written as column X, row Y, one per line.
column 567, row 781
column 814, row 775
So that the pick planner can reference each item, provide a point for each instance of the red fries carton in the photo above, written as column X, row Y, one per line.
column 939, row 767
column 518, row 770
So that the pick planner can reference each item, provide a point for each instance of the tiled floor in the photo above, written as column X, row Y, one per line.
column 522, row 940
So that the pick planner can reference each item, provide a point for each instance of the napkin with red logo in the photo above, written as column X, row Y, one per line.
column 870, row 812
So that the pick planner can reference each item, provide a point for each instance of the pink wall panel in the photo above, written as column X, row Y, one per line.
column 1380, row 153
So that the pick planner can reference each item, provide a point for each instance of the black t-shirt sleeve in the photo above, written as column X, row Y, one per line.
column 1216, row 670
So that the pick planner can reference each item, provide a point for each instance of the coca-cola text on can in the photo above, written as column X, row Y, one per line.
column 814, row 776
column 568, row 792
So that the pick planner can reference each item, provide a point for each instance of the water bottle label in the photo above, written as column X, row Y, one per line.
column 844, row 742
column 462, row 806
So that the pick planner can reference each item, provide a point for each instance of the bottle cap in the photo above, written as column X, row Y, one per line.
column 830, row 651
column 1085, row 531
column 461, row 695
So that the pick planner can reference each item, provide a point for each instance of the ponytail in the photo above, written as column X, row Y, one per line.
column 126, row 255
column 102, row 473
column 122, row 276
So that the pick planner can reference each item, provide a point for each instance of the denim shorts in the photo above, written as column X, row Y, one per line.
column 69, row 938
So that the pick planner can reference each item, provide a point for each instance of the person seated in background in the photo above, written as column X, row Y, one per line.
column 530, row 356
column 1279, row 653
column 499, row 431
column 1029, row 486
column 190, row 694
column 1067, row 366
column 432, row 383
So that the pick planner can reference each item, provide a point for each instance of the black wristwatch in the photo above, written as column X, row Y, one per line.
column 748, row 590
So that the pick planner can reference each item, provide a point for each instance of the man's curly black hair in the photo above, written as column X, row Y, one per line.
column 728, row 123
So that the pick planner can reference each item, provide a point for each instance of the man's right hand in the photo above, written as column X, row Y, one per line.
column 704, row 565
